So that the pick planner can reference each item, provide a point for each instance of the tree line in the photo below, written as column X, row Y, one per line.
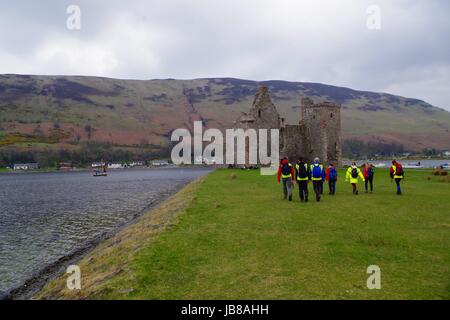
column 84, row 155
column 358, row 149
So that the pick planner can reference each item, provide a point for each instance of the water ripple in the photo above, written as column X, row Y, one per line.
column 46, row 216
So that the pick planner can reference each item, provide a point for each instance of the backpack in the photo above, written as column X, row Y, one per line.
column 354, row 173
column 370, row 172
column 332, row 174
column 285, row 169
column 302, row 172
column 317, row 171
column 399, row 170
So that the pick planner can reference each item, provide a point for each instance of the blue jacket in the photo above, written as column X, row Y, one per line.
column 322, row 169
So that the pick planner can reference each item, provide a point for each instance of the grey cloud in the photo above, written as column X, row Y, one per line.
column 319, row 41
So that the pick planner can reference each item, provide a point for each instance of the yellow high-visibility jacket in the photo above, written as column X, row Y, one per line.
column 394, row 168
column 348, row 176
column 297, row 169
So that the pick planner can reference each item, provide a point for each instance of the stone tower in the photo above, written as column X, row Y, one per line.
column 322, row 130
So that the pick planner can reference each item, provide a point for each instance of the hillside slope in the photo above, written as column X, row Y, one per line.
column 60, row 112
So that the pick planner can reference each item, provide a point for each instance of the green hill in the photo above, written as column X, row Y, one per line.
column 63, row 113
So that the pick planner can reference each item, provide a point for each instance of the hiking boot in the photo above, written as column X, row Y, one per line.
column 290, row 198
column 356, row 192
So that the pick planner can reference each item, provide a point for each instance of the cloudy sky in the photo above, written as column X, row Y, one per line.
column 324, row 41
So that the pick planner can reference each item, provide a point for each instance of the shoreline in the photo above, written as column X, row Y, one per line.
column 37, row 282
column 88, row 170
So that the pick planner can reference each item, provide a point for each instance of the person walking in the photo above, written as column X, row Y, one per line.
column 368, row 172
column 302, row 175
column 322, row 181
column 317, row 177
column 396, row 172
column 331, row 177
column 286, row 175
column 352, row 175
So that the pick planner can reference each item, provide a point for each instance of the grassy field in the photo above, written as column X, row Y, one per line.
column 235, row 238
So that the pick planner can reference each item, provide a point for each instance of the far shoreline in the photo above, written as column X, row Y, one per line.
column 5, row 171
column 54, row 170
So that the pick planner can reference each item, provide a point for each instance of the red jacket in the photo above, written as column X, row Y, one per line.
column 393, row 172
column 280, row 167
column 366, row 171
column 327, row 173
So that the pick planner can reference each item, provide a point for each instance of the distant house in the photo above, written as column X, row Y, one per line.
column 98, row 165
column 160, row 163
column 64, row 166
column 115, row 166
column 137, row 164
column 26, row 166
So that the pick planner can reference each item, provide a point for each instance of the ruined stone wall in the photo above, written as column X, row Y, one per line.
column 293, row 144
column 264, row 111
column 262, row 115
column 317, row 135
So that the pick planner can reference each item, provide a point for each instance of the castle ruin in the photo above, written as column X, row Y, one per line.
column 318, row 133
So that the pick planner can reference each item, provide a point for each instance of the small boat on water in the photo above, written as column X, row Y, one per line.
column 100, row 174
column 99, row 169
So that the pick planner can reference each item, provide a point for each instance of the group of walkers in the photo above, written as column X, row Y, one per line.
column 303, row 173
